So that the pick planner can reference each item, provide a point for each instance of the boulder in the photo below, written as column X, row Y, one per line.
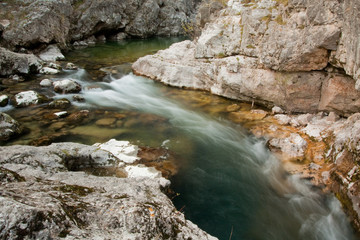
column 46, row 83
column 27, row 98
column 9, row 127
column 45, row 194
column 4, row 100
column 66, row 86
column 18, row 63
column 62, row 103
column 51, row 54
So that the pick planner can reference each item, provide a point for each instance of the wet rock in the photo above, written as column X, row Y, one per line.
column 78, row 117
column 51, row 54
column 62, row 103
column 291, row 148
column 4, row 100
column 18, row 63
column 9, row 128
column 46, row 83
column 24, row 99
column 71, row 66
column 78, row 98
column 66, row 86
column 54, row 65
column 49, row 71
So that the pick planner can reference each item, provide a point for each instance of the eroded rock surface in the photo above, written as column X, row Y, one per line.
column 266, row 51
column 45, row 195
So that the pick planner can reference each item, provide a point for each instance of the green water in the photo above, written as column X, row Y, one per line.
column 228, row 182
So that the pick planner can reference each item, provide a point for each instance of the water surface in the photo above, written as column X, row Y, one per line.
column 228, row 183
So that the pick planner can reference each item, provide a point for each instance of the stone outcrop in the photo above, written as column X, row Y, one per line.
column 36, row 22
column 45, row 194
column 269, row 52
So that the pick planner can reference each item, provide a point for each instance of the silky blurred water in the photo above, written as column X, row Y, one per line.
column 228, row 183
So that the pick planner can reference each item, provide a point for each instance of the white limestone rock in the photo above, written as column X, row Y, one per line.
column 49, row 71
column 123, row 150
column 27, row 98
column 46, row 83
column 51, row 54
column 66, row 86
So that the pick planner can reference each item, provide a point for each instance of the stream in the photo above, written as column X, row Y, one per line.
column 227, row 181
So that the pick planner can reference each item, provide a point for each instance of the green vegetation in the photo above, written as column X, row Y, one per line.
column 250, row 46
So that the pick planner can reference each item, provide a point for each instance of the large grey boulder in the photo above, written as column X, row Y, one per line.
column 18, row 63
column 46, row 195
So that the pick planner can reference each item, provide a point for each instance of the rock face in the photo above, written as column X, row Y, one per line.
column 17, row 63
column 45, row 195
column 43, row 22
column 266, row 52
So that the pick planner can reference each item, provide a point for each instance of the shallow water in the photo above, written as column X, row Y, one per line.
column 228, row 182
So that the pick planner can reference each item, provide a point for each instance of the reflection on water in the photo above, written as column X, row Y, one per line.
column 229, row 183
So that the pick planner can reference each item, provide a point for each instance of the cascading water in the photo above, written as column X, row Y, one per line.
column 232, row 187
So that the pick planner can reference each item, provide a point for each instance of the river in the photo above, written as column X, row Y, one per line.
column 227, row 182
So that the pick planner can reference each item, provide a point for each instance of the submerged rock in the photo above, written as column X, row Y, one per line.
column 62, row 103
column 46, row 196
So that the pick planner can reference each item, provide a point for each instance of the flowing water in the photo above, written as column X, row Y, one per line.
column 228, row 183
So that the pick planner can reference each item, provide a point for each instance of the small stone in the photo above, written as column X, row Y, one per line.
column 60, row 103
column 277, row 110
column 259, row 114
column 66, row 86
column 9, row 127
column 332, row 117
column 78, row 98
column 71, row 66
column 61, row 114
column 283, row 119
column 49, row 71
column 54, row 65
column 314, row 166
column 46, row 83
column 4, row 100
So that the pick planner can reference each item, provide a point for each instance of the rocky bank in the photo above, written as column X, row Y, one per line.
column 292, row 56
column 46, row 193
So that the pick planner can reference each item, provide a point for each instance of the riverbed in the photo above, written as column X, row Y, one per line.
column 227, row 181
